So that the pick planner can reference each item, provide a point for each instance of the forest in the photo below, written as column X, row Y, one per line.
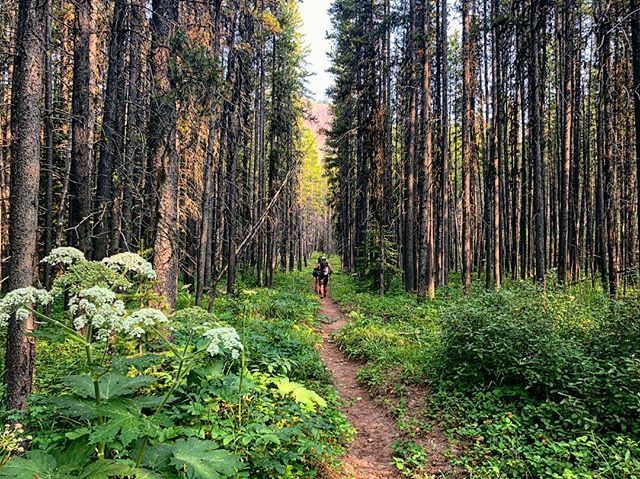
column 173, row 197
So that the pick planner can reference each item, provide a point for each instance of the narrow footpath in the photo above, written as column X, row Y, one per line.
column 370, row 455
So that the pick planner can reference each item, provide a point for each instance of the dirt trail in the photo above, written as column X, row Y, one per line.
column 370, row 455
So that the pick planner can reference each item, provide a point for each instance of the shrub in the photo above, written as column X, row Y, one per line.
column 511, row 337
column 535, row 383
column 124, row 391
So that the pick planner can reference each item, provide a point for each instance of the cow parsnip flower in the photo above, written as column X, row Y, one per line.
column 131, row 263
column 65, row 255
column 223, row 340
column 98, row 307
column 137, row 324
column 16, row 300
column 85, row 274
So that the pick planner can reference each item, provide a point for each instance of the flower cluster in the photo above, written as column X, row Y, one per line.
column 98, row 307
column 223, row 340
column 16, row 300
column 131, row 263
column 86, row 274
column 65, row 255
column 136, row 324
column 12, row 441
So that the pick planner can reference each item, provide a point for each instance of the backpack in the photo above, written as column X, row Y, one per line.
column 324, row 268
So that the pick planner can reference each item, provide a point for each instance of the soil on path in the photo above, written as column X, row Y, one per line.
column 370, row 455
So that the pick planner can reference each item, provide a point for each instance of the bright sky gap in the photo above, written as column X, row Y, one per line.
column 316, row 25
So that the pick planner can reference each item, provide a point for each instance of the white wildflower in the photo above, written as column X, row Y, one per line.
column 98, row 307
column 223, row 340
column 137, row 324
column 131, row 262
column 16, row 300
column 65, row 255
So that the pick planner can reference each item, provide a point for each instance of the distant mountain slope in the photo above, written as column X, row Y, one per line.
column 318, row 120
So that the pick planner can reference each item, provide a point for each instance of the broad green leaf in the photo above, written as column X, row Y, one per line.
column 76, row 456
column 77, row 433
column 201, row 459
column 305, row 397
column 124, row 421
column 72, row 407
column 146, row 474
column 158, row 457
column 40, row 465
column 111, row 385
column 37, row 464
column 148, row 402
column 104, row 469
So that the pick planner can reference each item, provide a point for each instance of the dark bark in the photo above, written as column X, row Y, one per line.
column 112, row 138
column 83, row 121
column 537, row 22
column 206, row 214
column 635, row 39
column 567, row 65
column 134, row 144
column 25, row 169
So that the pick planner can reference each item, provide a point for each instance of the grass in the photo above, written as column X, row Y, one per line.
column 533, row 384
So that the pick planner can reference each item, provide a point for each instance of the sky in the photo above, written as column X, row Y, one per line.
column 316, row 24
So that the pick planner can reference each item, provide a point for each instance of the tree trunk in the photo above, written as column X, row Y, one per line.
column 468, row 137
column 409, row 160
column 635, row 36
column 566, row 109
column 606, row 159
column 496, row 142
column 25, row 176
column 134, row 144
column 162, row 149
column 48, row 146
column 443, row 40
column 426, row 282
column 82, row 126
column 206, row 214
column 536, row 132
column 112, row 135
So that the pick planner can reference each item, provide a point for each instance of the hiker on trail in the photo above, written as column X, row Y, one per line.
column 324, row 270
column 316, row 276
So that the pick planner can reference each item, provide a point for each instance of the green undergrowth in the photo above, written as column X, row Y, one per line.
column 529, row 383
column 266, row 411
